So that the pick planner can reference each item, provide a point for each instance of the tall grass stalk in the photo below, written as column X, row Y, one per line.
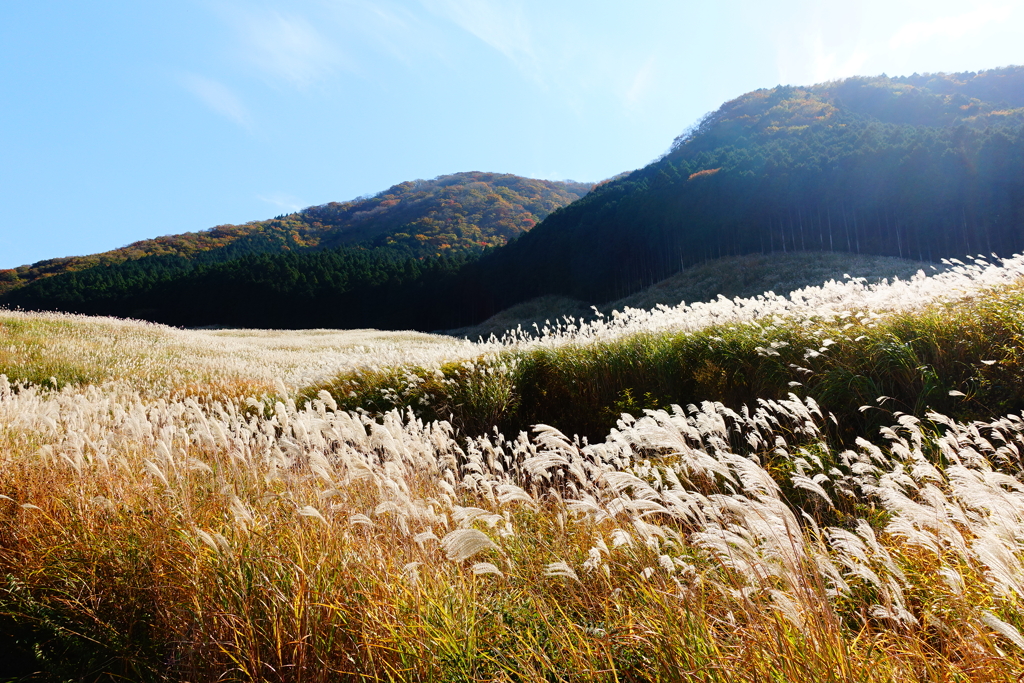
column 153, row 533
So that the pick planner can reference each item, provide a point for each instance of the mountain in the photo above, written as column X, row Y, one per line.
column 920, row 167
column 463, row 211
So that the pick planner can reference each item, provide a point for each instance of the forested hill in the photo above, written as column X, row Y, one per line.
column 446, row 215
column 922, row 167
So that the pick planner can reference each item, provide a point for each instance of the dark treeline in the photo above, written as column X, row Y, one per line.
column 343, row 287
column 923, row 167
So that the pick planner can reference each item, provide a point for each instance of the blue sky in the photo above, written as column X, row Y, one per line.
column 122, row 120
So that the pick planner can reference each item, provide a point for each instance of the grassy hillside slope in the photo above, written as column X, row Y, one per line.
column 828, row 341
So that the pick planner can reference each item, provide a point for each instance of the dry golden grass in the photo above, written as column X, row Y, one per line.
column 171, row 513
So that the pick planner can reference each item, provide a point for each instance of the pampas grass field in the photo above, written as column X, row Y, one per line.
column 826, row 486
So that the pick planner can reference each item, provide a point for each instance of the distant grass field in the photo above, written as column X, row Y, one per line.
column 824, row 487
column 56, row 350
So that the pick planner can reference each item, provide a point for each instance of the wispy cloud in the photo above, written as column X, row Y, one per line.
column 642, row 83
column 284, row 47
column 829, row 41
column 219, row 98
column 391, row 27
column 952, row 27
column 822, row 42
column 502, row 26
